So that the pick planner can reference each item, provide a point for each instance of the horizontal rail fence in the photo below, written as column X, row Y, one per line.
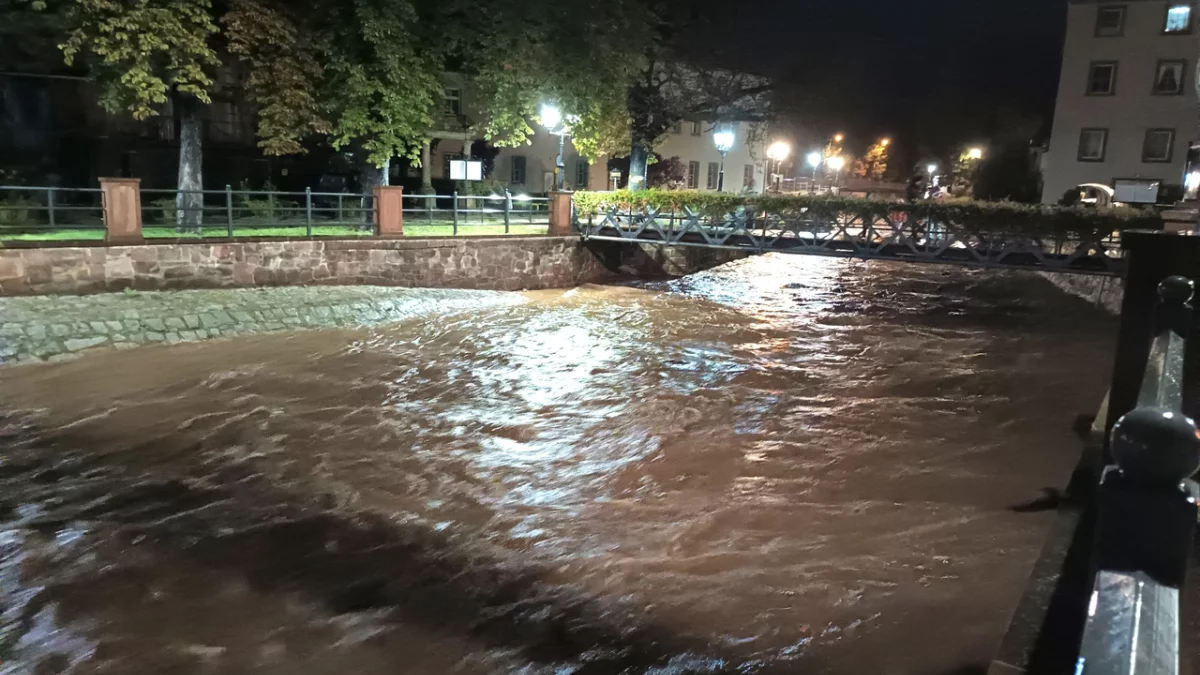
column 50, row 213
column 251, row 213
column 472, row 214
column 1146, row 513
column 900, row 236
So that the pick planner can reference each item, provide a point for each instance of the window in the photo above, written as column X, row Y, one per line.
column 581, row 172
column 677, row 128
column 1110, row 21
column 695, row 128
column 748, row 176
column 1158, row 145
column 453, row 101
column 1092, row 143
column 693, row 175
column 1102, row 78
column 713, row 172
column 518, row 170
column 1168, row 78
column 1179, row 18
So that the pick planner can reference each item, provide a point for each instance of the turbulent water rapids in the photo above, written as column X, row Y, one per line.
column 782, row 465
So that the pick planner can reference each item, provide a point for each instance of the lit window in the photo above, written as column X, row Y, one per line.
column 1158, row 145
column 693, row 175
column 1102, row 78
column 1110, row 21
column 695, row 128
column 518, row 170
column 1179, row 19
column 713, row 171
column 1092, row 143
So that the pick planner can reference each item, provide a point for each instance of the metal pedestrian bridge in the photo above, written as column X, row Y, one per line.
column 900, row 236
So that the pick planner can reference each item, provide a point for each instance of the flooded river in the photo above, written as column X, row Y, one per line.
column 783, row 465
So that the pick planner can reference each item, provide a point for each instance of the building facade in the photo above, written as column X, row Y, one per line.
column 1127, row 112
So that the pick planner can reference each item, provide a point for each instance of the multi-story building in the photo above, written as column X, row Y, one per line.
column 529, row 168
column 1127, row 111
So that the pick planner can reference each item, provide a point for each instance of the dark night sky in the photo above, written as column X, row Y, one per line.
column 934, row 74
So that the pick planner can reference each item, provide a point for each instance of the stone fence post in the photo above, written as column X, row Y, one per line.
column 122, row 199
column 560, row 214
column 389, row 211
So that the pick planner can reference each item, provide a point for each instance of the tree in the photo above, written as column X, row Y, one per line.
column 873, row 165
column 666, row 173
column 142, row 54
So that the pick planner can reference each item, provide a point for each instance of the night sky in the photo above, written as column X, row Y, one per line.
column 933, row 74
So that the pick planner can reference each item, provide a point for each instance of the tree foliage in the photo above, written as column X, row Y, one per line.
column 139, row 51
column 873, row 165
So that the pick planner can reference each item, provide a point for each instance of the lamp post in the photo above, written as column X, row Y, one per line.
column 836, row 163
column 551, row 118
column 723, row 138
column 814, row 160
column 778, row 152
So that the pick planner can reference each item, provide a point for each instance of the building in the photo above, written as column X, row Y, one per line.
column 529, row 168
column 1127, row 111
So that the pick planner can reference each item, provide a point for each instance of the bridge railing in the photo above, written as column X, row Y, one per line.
column 977, row 234
column 1146, row 513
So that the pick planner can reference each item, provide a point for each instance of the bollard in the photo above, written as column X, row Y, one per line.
column 122, row 199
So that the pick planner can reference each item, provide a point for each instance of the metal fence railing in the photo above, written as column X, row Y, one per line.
column 51, row 213
column 496, row 213
column 1146, row 513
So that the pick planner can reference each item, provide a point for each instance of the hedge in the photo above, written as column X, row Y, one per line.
column 975, row 215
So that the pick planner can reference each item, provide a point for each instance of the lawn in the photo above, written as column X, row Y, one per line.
column 425, row 229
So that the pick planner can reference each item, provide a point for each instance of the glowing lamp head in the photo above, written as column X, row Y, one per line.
column 885, row 142
column 723, row 139
column 550, row 116
column 815, row 159
column 975, row 153
column 838, row 138
column 836, row 163
column 779, row 151
column 932, row 169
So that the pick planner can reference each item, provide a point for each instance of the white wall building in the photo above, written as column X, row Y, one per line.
column 530, row 168
column 1127, row 111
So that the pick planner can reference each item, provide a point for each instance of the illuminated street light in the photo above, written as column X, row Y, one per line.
column 838, row 138
column 814, row 159
column 551, row 118
column 932, row 169
column 723, row 138
column 975, row 153
column 779, row 150
column 836, row 163
column 885, row 142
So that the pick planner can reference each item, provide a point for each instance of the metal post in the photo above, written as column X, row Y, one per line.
column 721, row 175
column 507, row 208
column 271, row 206
column 50, row 206
column 229, row 210
column 560, row 165
column 430, row 206
column 308, row 210
column 339, row 213
column 454, row 206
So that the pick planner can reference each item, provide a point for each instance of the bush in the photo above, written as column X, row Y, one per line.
column 14, row 211
column 981, row 216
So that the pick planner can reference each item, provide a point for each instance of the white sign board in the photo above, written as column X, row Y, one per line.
column 462, row 169
column 1131, row 191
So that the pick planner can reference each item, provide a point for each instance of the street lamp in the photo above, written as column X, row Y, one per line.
column 778, row 152
column 551, row 118
column 836, row 163
column 885, row 142
column 839, row 138
column 975, row 153
column 814, row 160
column 723, row 139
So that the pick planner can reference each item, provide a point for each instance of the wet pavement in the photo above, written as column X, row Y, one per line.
column 785, row 464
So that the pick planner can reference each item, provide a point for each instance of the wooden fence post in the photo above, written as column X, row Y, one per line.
column 122, row 199
column 560, row 214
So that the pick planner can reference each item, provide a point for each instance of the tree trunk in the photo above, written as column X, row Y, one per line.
column 639, row 155
column 371, row 177
column 189, row 200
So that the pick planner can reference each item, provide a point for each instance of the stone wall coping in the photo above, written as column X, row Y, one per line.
column 337, row 242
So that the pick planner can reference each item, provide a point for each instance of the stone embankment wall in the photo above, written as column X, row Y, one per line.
column 1104, row 292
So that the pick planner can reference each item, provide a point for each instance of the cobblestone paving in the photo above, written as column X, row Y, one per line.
column 49, row 328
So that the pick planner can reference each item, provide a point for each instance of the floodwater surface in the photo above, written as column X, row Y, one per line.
column 782, row 465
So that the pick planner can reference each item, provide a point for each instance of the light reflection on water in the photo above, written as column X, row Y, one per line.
column 782, row 463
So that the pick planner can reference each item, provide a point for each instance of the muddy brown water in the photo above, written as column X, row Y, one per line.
column 785, row 464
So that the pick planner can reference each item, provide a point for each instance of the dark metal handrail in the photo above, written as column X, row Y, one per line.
column 1147, row 513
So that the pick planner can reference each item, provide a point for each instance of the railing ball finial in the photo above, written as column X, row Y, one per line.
column 1156, row 446
column 1178, row 290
